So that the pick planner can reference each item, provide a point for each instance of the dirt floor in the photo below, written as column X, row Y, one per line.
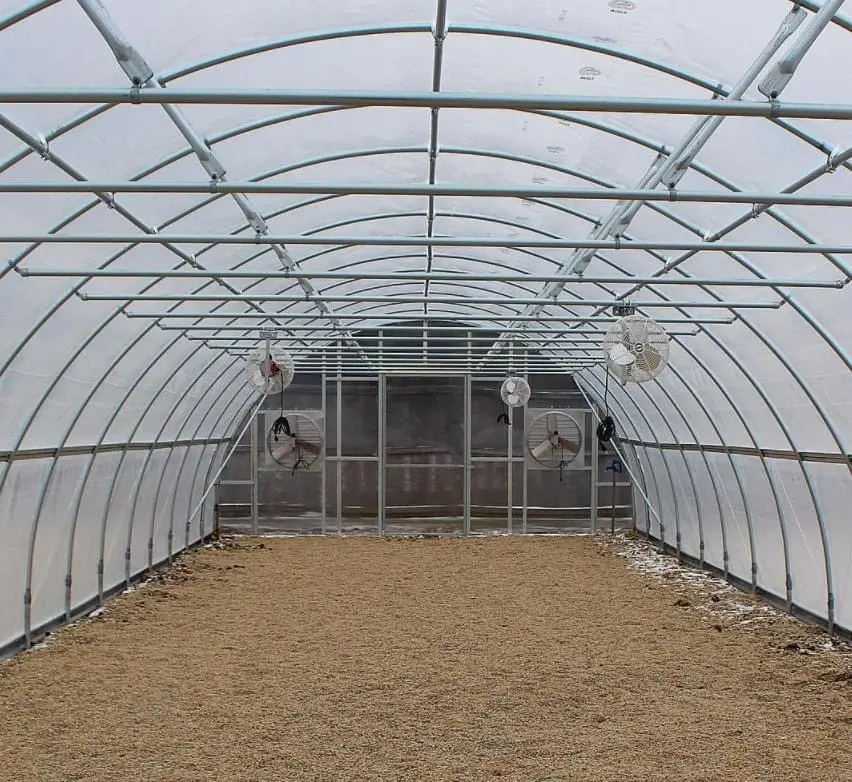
column 531, row 660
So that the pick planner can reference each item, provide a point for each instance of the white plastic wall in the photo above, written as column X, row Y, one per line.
column 742, row 447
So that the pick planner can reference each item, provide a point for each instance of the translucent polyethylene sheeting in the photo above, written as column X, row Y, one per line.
column 75, row 513
column 78, row 372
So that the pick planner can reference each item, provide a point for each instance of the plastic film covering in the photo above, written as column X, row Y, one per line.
column 111, row 424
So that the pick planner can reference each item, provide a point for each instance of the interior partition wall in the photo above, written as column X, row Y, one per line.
column 423, row 454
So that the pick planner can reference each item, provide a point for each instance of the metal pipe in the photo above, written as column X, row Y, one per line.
column 624, row 417
column 593, row 498
column 253, row 472
column 339, row 466
column 636, row 483
column 525, row 373
column 218, row 187
column 380, row 451
column 585, row 337
column 212, row 483
column 666, row 467
column 408, row 333
column 468, row 452
column 141, row 75
column 510, row 494
column 416, row 276
column 421, row 241
column 382, row 321
column 356, row 298
column 556, row 349
column 212, row 391
column 323, row 471
column 177, row 486
column 270, row 97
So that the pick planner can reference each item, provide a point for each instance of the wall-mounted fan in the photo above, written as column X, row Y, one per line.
column 295, row 441
column 515, row 392
column 636, row 349
column 554, row 440
column 269, row 369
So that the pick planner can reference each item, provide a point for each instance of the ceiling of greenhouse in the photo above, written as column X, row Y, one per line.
column 198, row 171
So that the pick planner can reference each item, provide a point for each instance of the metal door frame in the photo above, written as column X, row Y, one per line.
column 382, row 447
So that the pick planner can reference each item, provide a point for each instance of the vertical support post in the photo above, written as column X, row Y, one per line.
column 254, row 474
column 324, row 474
column 425, row 354
column 510, row 494
column 633, row 510
column 380, row 462
column 468, row 460
column 380, row 449
column 524, row 512
column 595, row 471
column 612, row 524
column 339, row 411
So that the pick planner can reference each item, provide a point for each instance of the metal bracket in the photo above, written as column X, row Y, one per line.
column 831, row 163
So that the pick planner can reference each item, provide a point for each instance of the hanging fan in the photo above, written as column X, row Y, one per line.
column 295, row 441
column 515, row 391
column 636, row 349
column 554, row 440
column 269, row 369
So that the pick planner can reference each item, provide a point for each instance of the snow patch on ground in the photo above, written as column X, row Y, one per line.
column 713, row 596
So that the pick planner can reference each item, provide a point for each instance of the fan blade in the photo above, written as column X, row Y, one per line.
column 639, row 331
column 511, row 385
column 542, row 449
column 281, row 449
column 307, row 445
column 569, row 445
column 513, row 399
column 651, row 358
column 620, row 355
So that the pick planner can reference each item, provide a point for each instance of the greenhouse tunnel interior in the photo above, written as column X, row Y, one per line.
column 416, row 201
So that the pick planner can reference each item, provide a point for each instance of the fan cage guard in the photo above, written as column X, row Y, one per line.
column 641, row 337
column 523, row 392
column 572, row 423
column 308, row 424
column 254, row 361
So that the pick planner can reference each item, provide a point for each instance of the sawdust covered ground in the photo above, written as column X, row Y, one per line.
column 361, row 659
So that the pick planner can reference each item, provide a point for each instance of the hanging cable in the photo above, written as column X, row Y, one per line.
column 606, row 428
column 281, row 424
column 503, row 418
column 562, row 463
column 300, row 462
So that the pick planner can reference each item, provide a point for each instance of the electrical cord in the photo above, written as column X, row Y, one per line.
column 606, row 428
column 281, row 424
column 300, row 462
